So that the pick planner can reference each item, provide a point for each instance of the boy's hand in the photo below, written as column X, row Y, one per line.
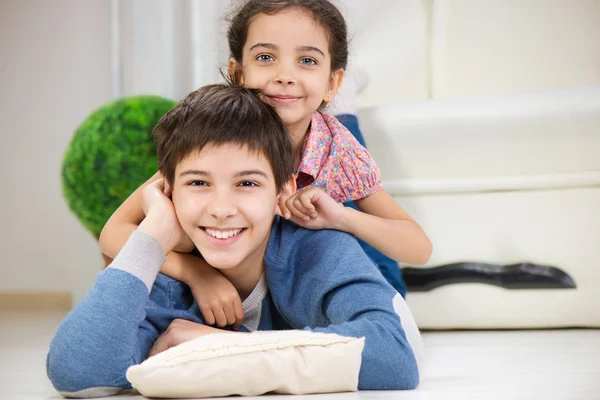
column 180, row 331
column 218, row 300
column 312, row 208
column 161, row 221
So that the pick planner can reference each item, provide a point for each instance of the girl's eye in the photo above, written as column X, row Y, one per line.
column 308, row 61
column 197, row 183
column 264, row 58
column 248, row 184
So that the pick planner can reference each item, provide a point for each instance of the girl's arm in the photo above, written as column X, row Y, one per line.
column 381, row 222
column 386, row 226
column 124, row 221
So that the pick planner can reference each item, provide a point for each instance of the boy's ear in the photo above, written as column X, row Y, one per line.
column 235, row 71
column 289, row 188
column 335, row 82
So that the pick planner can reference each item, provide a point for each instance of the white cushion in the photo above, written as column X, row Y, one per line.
column 288, row 362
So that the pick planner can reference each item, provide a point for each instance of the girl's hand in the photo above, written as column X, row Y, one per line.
column 312, row 208
column 185, row 245
column 156, row 196
column 218, row 300
column 161, row 222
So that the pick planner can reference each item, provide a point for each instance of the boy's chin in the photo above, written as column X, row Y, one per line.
column 222, row 262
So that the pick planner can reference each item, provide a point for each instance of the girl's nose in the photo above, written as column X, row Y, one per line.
column 285, row 80
column 284, row 75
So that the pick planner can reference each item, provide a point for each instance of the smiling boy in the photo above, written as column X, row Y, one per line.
column 226, row 159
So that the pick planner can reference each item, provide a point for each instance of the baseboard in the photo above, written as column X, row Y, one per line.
column 36, row 301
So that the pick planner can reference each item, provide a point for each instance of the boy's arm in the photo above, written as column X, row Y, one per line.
column 337, row 289
column 217, row 299
column 106, row 332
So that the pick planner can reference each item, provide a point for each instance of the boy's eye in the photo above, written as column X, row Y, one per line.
column 248, row 184
column 264, row 58
column 197, row 183
column 308, row 61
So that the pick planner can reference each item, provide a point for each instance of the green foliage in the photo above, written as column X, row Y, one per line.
column 110, row 155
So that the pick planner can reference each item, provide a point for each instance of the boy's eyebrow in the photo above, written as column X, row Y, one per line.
column 299, row 48
column 240, row 174
column 251, row 172
column 194, row 172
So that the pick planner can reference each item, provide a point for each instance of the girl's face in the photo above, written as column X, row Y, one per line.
column 286, row 56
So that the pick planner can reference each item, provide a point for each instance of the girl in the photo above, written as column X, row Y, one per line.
column 294, row 52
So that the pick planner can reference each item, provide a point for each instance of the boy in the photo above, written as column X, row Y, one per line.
column 226, row 159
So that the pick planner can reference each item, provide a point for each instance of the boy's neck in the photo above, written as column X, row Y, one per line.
column 244, row 281
column 247, row 274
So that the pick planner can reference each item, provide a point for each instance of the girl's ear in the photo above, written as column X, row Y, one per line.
column 234, row 69
column 335, row 81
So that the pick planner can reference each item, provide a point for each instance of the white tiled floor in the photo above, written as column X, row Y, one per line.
column 562, row 365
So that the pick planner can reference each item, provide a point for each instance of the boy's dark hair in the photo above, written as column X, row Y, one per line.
column 324, row 12
column 219, row 114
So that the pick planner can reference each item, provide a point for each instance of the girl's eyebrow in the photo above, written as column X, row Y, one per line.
column 299, row 48
column 310, row 48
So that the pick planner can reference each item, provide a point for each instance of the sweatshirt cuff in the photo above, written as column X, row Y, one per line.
column 142, row 256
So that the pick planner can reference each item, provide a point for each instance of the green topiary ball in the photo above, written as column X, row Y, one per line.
column 111, row 154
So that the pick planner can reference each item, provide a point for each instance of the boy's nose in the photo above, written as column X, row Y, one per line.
column 221, row 207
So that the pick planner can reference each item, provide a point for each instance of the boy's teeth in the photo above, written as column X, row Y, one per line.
column 223, row 234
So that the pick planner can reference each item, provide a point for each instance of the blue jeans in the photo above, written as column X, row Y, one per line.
column 388, row 267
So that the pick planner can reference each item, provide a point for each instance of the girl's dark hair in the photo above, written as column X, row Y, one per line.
column 324, row 12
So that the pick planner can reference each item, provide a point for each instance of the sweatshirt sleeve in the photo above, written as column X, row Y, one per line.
column 100, row 338
column 337, row 289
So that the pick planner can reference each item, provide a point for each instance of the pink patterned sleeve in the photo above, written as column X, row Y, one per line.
column 349, row 173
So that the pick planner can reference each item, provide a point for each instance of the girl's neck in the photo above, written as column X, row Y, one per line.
column 298, row 132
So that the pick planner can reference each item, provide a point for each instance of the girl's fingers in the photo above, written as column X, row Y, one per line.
column 208, row 315
column 308, row 205
column 300, row 207
column 167, row 189
column 239, row 313
column 230, row 314
column 291, row 205
column 285, row 212
column 220, row 317
column 295, row 212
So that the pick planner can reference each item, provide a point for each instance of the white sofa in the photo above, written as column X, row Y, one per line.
column 488, row 133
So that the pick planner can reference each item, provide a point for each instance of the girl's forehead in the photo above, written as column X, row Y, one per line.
column 292, row 26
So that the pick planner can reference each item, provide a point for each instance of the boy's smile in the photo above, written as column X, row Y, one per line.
column 223, row 237
column 225, row 198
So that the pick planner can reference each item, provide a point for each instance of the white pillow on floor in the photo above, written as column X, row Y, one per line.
column 223, row 364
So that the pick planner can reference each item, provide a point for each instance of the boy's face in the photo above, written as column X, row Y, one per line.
column 225, row 198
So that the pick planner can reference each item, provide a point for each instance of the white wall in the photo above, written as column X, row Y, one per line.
column 389, row 39
column 54, row 69
column 498, row 47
